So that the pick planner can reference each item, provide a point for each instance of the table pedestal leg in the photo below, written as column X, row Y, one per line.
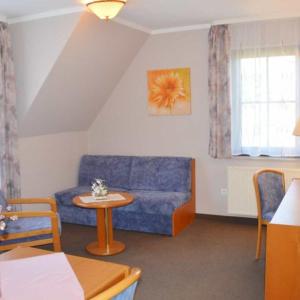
column 105, row 245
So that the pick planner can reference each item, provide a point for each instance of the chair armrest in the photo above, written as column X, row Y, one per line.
column 30, row 214
column 121, row 286
column 49, row 201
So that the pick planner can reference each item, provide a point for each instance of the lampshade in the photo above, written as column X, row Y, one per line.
column 297, row 128
column 106, row 9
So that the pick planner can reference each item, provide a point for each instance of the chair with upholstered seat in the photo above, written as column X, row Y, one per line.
column 123, row 290
column 269, row 189
column 32, row 228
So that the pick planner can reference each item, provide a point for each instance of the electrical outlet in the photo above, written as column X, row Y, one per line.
column 224, row 192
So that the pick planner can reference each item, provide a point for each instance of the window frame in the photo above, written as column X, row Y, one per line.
column 236, row 101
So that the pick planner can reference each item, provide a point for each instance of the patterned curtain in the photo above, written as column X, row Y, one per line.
column 9, row 164
column 219, row 92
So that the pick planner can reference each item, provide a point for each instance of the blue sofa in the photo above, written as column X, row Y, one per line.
column 163, row 190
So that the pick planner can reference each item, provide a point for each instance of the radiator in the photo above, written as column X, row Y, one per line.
column 241, row 195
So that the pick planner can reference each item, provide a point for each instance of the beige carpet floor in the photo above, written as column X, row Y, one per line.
column 211, row 259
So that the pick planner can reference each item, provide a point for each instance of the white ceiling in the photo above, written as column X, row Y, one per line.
column 20, row 8
column 161, row 14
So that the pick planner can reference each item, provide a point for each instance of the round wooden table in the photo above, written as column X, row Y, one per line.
column 105, row 245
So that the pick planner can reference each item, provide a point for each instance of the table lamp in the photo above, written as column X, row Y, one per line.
column 296, row 131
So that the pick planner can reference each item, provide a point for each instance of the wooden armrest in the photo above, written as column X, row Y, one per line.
column 53, row 229
column 49, row 201
column 30, row 214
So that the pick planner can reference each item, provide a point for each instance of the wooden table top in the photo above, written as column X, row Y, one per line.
column 94, row 276
column 104, row 204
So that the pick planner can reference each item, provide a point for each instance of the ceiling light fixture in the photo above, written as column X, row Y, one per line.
column 106, row 9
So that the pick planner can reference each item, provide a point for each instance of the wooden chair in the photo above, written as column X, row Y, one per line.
column 123, row 290
column 32, row 228
column 269, row 190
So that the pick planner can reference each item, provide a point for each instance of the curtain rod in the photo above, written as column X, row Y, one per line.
column 255, row 19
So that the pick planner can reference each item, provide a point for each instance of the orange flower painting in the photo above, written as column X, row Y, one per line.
column 169, row 92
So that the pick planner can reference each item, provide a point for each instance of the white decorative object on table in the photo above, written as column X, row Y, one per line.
column 109, row 197
column 99, row 189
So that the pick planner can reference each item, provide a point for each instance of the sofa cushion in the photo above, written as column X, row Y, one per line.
column 114, row 170
column 66, row 197
column 125, row 217
column 155, row 202
column 78, row 215
column 172, row 174
column 144, row 222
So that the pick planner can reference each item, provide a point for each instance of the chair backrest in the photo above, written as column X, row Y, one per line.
column 269, row 187
column 123, row 290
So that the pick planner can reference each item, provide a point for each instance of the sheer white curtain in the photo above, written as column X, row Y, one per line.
column 265, row 86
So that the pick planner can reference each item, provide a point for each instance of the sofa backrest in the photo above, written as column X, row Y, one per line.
column 151, row 173
column 114, row 170
column 171, row 174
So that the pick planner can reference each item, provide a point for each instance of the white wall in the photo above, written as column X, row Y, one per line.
column 36, row 46
column 123, row 126
column 50, row 163
column 66, row 67
column 84, row 74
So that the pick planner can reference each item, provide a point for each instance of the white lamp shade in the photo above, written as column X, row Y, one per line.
column 106, row 9
column 297, row 128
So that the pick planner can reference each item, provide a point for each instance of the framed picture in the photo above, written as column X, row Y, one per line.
column 169, row 92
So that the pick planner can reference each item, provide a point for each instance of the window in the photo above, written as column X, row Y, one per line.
column 265, row 102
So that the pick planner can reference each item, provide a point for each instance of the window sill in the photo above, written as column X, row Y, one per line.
column 262, row 158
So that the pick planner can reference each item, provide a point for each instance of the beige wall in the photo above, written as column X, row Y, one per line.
column 66, row 68
column 123, row 126
column 50, row 163
column 83, row 76
column 36, row 46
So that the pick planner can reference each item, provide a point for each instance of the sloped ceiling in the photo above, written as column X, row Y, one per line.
column 36, row 46
column 82, row 78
